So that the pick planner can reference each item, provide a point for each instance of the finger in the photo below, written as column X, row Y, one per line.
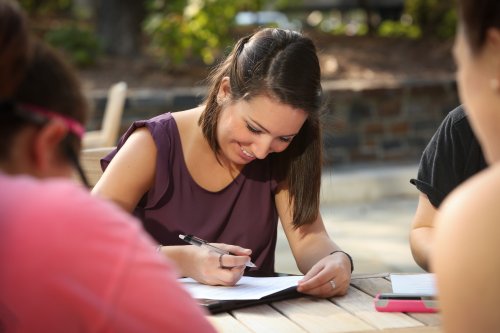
column 323, row 290
column 314, row 277
column 234, row 249
column 229, row 277
column 312, row 273
column 230, row 261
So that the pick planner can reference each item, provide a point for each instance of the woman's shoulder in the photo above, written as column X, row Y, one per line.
column 178, row 120
column 475, row 201
column 454, row 121
column 55, row 203
column 162, row 119
column 187, row 118
column 457, row 114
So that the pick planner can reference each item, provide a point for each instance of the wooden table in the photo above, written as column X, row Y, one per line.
column 351, row 313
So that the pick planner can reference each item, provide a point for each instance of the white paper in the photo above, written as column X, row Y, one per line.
column 246, row 288
column 422, row 284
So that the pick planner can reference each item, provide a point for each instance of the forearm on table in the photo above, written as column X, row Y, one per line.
column 311, row 249
column 180, row 255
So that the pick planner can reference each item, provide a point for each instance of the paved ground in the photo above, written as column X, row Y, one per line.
column 371, row 220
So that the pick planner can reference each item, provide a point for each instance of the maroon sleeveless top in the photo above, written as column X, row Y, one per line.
column 244, row 213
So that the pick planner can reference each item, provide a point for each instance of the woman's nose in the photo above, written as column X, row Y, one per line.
column 262, row 148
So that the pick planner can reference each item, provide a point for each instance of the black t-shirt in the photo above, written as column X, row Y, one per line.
column 451, row 156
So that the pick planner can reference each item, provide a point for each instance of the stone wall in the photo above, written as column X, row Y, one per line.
column 385, row 123
column 363, row 122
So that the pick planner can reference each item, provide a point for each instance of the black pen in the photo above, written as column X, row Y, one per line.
column 200, row 242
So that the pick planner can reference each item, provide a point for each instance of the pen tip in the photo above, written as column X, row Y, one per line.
column 181, row 236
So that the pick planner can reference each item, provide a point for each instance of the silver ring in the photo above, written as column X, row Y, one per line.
column 332, row 282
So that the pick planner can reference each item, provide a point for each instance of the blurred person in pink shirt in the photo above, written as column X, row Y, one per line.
column 68, row 261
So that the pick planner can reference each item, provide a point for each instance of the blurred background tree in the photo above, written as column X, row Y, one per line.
column 183, row 32
column 119, row 26
column 435, row 18
column 46, row 7
column 64, row 25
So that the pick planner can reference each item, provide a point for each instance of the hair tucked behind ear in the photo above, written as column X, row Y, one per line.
column 283, row 65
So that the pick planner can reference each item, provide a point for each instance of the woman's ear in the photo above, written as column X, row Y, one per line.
column 493, row 44
column 46, row 151
column 224, row 90
column 493, row 37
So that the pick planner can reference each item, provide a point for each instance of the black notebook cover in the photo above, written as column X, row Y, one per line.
column 215, row 306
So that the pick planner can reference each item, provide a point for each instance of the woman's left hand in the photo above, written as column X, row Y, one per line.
column 328, row 277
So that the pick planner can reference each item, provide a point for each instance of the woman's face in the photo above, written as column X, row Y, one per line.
column 249, row 130
column 476, row 74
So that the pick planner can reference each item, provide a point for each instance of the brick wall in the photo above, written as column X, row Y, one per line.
column 389, row 122
column 384, row 124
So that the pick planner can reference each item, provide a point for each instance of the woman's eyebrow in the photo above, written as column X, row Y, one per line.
column 266, row 130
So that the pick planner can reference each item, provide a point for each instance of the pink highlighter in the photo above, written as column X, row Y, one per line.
column 393, row 302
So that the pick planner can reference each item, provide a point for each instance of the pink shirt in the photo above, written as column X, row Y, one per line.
column 72, row 263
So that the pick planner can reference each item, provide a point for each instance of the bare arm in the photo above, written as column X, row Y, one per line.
column 465, row 256
column 311, row 246
column 131, row 172
column 422, row 231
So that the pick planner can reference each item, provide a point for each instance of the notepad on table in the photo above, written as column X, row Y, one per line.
column 418, row 284
column 247, row 292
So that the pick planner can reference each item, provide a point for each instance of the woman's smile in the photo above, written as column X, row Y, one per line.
column 246, row 154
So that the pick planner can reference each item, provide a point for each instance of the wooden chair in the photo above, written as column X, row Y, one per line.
column 108, row 134
column 89, row 160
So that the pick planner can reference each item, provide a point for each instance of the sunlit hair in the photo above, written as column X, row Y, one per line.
column 477, row 16
column 283, row 65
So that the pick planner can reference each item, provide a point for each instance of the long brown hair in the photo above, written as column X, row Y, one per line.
column 282, row 64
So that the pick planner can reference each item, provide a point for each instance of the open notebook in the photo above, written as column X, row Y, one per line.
column 248, row 291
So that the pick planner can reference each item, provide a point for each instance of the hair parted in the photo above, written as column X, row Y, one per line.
column 283, row 65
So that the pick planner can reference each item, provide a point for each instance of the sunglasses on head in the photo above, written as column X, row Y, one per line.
column 41, row 116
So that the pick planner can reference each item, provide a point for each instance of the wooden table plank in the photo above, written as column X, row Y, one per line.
column 361, row 305
column 265, row 319
column 354, row 312
column 429, row 319
column 320, row 316
column 225, row 323
column 425, row 329
column 357, row 276
column 373, row 286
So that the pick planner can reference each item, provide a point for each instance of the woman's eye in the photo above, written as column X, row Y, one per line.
column 253, row 130
column 286, row 139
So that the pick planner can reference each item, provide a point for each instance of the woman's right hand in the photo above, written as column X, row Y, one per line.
column 209, row 267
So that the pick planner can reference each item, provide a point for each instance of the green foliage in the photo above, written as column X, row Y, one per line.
column 182, row 30
column 434, row 17
column 448, row 25
column 35, row 7
column 80, row 44
column 398, row 29
column 281, row 4
column 349, row 29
